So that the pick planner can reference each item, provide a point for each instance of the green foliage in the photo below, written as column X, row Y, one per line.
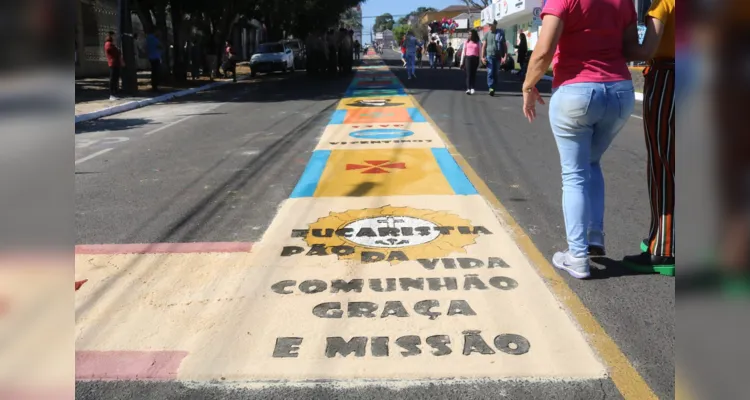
column 383, row 22
column 416, row 13
column 399, row 32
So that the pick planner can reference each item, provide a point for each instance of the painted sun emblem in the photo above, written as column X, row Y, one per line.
column 415, row 232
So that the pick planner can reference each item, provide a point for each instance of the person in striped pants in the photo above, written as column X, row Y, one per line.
column 658, row 48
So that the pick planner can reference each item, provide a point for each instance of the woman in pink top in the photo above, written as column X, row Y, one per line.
column 470, row 60
column 592, row 98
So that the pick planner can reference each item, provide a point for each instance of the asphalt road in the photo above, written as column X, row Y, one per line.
column 213, row 167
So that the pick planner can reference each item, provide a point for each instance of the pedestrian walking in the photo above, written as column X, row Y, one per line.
column 431, row 52
column 592, row 99
column 411, row 44
column 493, row 53
column 403, row 52
column 658, row 49
column 470, row 60
column 420, row 49
column 450, row 52
column 522, row 50
column 154, row 49
column 115, row 63
column 230, row 61
column 196, row 58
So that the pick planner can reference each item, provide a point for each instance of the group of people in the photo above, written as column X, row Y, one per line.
column 155, row 51
column 588, row 43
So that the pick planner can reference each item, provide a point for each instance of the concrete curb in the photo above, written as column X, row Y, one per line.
column 132, row 105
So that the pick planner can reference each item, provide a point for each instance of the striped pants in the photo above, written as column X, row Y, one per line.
column 659, row 127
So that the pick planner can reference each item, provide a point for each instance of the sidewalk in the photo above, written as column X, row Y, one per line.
column 92, row 94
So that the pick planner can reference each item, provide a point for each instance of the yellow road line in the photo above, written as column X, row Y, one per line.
column 627, row 380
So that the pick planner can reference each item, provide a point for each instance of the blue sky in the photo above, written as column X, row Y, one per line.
column 373, row 8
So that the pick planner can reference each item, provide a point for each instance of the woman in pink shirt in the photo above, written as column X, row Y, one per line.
column 592, row 98
column 470, row 60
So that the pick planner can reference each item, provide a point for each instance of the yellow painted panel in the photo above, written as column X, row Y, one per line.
column 375, row 102
column 382, row 172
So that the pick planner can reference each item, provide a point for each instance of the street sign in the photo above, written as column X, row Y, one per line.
column 536, row 17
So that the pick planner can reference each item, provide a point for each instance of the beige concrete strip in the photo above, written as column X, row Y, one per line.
column 379, row 136
column 443, row 292
column 628, row 381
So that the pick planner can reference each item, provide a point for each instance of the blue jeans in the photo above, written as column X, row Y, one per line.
column 585, row 118
column 492, row 64
column 432, row 55
column 410, row 64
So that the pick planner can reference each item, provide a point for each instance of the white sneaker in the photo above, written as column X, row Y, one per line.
column 577, row 267
column 472, row 91
column 468, row 91
column 113, row 98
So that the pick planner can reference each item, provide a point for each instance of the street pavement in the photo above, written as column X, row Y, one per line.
column 188, row 212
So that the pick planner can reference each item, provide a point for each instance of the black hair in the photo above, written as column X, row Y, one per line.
column 474, row 37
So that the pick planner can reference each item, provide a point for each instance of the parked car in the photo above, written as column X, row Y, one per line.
column 272, row 57
column 299, row 52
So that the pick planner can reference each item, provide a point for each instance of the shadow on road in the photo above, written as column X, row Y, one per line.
column 116, row 124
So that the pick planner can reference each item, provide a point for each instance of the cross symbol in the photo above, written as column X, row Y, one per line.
column 390, row 221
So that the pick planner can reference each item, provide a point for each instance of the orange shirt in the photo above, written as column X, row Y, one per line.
column 663, row 10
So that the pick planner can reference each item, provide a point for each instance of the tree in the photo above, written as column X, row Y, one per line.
column 383, row 22
column 416, row 13
column 352, row 18
column 400, row 31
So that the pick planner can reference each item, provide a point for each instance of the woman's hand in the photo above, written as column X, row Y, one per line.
column 530, row 98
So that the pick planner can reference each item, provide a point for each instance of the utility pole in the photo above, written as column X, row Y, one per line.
column 129, row 77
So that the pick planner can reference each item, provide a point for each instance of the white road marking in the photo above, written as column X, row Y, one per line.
column 159, row 129
column 633, row 115
column 90, row 156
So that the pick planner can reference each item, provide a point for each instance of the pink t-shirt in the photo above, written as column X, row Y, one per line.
column 472, row 49
column 590, row 48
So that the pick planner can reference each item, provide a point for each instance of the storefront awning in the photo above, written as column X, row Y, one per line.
column 510, row 12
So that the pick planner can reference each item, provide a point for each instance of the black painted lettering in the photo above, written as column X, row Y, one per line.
column 482, row 230
column 497, row 262
column 512, row 344
column 473, row 343
column 440, row 345
column 280, row 287
column 333, row 142
column 397, row 255
column 449, row 263
column 313, row 286
column 342, row 250
column 291, row 250
column 469, row 263
column 379, row 346
column 503, row 283
column 287, row 347
column 407, row 231
column 394, row 308
column 411, row 283
column 328, row 310
column 460, row 307
column 383, row 232
column 340, row 285
column 410, row 344
column 372, row 256
column 317, row 250
column 473, row 281
column 299, row 233
column 444, row 230
column 319, row 232
column 448, row 283
column 464, row 230
column 345, row 232
column 423, row 230
column 427, row 263
column 377, row 285
column 366, row 232
column 424, row 307
column 363, row 309
column 337, row 345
